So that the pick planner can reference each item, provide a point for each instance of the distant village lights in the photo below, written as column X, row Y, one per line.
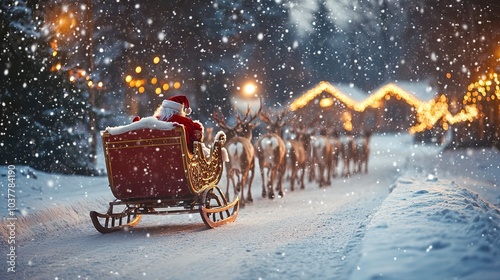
column 326, row 102
column 427, row 113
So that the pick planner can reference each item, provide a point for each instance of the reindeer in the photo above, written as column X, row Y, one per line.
column 296, row 162
column 336, row 150
column 363, row 152
column 271, row 150
column 241, row 153
column 297, row 157
column 321, row 153
column 306, row 137
column 348, row 154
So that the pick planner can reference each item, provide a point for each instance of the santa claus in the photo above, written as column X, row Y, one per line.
column 175, row 109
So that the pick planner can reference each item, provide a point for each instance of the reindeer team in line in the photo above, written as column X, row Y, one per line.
column 290, row 154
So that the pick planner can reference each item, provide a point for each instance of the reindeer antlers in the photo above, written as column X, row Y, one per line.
column 221, row 121
column 243, row 125
column 277, row 123
column 252, row 118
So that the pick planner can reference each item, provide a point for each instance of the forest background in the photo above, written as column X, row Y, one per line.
column 71, row 68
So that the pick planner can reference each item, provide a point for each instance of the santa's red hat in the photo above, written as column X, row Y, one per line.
column 178, row 102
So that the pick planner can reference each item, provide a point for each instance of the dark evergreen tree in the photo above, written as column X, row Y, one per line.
column 42, row 112
column 322, row 57
column 276, row 58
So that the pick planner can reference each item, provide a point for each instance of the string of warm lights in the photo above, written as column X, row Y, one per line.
column 486, row 89
column 427, row 113
column 317, row 90
column 158, row 84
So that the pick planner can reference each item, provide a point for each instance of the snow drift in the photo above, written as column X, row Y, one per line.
column 423, row 226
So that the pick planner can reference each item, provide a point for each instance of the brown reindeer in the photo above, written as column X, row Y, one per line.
column 321, row 153
column 296, row 162
column 271, row 152
column 348, row 154
column 336, row 150
column 241, row 154
column 296, row 157
column 363, row 152
column 304, row 135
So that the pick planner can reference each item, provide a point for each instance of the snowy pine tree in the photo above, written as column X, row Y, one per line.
column 42, row 112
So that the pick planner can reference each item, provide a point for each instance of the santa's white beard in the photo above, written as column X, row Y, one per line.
column 165, row 114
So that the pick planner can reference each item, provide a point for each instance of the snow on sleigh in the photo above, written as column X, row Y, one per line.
column 151, row 172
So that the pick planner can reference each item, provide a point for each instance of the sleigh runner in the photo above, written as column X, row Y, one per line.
column 151, row 172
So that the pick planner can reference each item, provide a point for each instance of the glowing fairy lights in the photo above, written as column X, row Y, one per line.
column 317, row 90
column 486, row 89
column 428, row 114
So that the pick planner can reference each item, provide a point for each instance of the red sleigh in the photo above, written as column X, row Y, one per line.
column 151, row 172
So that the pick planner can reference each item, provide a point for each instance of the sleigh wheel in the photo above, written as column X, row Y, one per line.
column 215, row 209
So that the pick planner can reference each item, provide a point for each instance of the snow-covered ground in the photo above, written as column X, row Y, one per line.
column 441, row 221
column 430, row 214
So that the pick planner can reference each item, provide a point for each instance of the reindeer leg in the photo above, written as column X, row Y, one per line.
column 302, row 175
column 289, row 170
column 235, row 183
column 240, row 188
column 270, row 181
column 366, row 162
column 320, row 176
column 263, row 181
column 243, row 183
column 249, row 192
column 276, row 171
column 346, row 168
column 312, row 171
column 280, row 182
column 238, row 182
column 326, row 176
column 334, row 167
column 329, row 174
column 292, row 180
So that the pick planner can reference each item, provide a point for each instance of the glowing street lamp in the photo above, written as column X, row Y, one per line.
column 249, row 89
column 246, row 98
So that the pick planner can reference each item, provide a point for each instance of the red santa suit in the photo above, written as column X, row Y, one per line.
column 190, row 127
column 175, row 109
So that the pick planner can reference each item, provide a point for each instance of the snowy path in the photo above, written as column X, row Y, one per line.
column 311, row 233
